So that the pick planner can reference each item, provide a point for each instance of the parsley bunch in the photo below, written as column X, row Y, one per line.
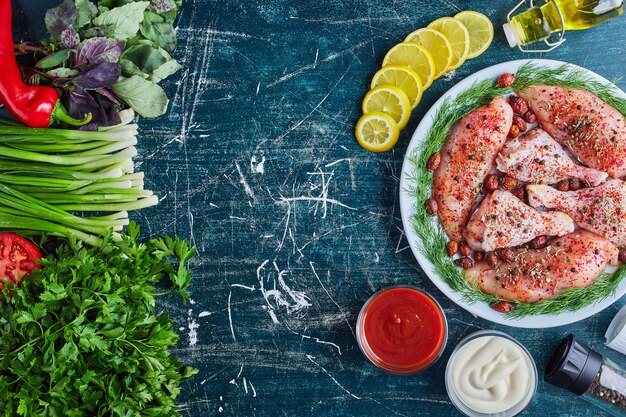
column 81, row 337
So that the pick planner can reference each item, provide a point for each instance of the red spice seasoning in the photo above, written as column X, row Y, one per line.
column 402, row 330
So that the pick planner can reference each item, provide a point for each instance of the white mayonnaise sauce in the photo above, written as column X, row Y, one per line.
column 491, row 374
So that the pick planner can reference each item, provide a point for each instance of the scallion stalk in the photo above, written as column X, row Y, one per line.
column 46, row 174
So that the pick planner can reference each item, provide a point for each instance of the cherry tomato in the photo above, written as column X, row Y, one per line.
column 18, row 258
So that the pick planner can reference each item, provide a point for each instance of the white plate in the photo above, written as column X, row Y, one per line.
column 407, row 206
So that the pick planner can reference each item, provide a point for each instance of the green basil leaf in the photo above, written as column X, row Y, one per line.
column 145, row 57
column 122, row 22
column 160, row 32
column 165, row 70
column 129, row 69
column 54, row 60
column 109, row 4
column 146, row 61
column 63, row 72
column 144, row 96
column 86, row 12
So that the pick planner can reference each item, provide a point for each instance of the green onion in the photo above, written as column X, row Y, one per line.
column 46, row 174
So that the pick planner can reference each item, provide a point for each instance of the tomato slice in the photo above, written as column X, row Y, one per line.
column 18, row 258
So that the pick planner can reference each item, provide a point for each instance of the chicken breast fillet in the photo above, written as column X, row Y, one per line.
column 537, row 158
column 574, row 260
column 466, row 159
column 601, row 210
column 503, row 220
column 591, row 129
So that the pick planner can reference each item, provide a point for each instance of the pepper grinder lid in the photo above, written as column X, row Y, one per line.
column 573, row 365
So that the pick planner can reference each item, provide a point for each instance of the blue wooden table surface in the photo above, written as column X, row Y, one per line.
column 295, row 224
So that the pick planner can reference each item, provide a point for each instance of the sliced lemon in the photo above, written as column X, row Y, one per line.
column 437, row 45
column 480, row 31
column 414, row 56
column 404, row 78
column 457, row 35
column 377, row 132
column 389, row 100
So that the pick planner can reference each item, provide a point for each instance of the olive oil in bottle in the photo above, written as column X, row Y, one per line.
column 537, row 23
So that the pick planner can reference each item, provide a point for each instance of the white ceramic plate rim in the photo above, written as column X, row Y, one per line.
column 407, row 208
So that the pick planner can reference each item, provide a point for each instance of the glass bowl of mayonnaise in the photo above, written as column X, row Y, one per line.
column 490, row 374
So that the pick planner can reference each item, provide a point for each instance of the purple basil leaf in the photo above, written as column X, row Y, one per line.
column 69, row 38
column 106, row 93
column 103, row 75
column 106, row 114
column 60, row 18
column 111, row 115
column 162, row 6
column 79, row 102
column 94, row 51
column 91, row 126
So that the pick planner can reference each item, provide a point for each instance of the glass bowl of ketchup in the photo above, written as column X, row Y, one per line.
column 402, row 329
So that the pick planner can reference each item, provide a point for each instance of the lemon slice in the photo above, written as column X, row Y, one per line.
column 415, row 57
column 402, row 77
column 457, row 35
column 480, row 31
column 390, row 100
column 377, row 132
column 437, row 45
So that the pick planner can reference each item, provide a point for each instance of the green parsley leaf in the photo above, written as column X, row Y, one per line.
column 82, row 338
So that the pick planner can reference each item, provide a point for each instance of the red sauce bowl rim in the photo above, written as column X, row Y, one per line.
column 369, row 354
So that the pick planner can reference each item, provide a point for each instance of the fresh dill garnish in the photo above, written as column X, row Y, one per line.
column 433, row 239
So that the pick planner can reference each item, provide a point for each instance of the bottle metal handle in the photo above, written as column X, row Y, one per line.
column 550, row 45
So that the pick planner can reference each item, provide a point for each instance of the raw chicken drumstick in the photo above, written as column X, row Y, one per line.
column 503, row 220
column 601, row 210
column 466, row 159
column 537, row 158
column 574, row 260
column 591, row 129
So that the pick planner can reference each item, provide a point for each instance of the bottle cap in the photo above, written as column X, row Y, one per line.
column 573, row 365
column 510, row 35
column 616, row 333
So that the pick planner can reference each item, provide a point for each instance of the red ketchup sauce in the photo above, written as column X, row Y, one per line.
column 401, row 330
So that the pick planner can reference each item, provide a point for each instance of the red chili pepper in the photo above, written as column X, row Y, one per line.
column 35, row 106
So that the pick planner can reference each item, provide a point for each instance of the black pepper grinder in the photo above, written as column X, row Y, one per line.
column 586, row 373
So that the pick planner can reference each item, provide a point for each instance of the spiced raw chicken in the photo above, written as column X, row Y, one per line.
column 574, row 260
column 537, row 158
column 591, row 129
column 601, row 210
column 531, row 250
column 503, row 220
column 466, row 159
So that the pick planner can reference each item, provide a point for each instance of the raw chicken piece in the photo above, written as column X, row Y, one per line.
column 601, row 210
column 574, row 260
column 466, row 159
column 591, row 129
column 503, row 220
column 537, row 158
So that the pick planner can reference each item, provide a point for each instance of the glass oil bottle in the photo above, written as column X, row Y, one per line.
column 539, row 22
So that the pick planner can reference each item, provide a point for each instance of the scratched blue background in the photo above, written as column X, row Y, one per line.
column 296, row 225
